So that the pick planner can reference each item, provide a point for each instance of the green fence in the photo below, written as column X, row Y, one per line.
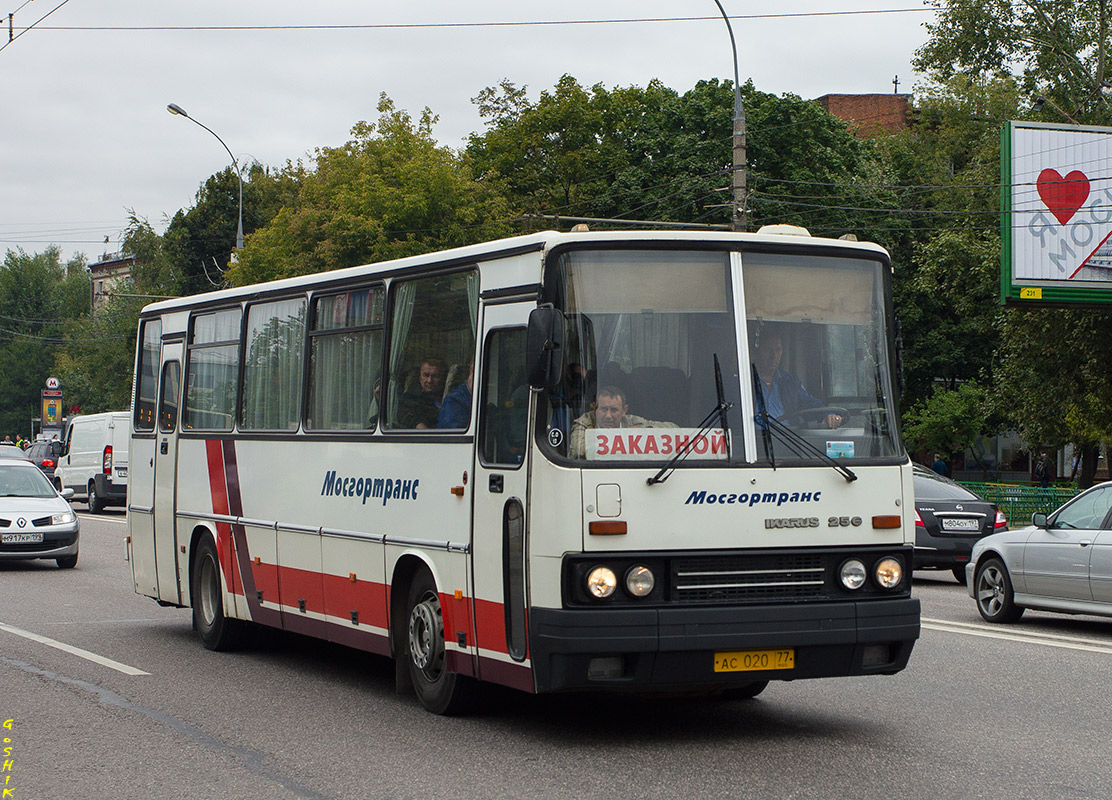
column 1019, row 502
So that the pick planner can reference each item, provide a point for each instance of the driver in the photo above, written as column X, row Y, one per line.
column 783, row 393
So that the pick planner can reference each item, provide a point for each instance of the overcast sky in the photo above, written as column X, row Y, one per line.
column 86, row 135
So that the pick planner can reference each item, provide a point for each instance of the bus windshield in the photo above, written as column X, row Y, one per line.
column 647, row 331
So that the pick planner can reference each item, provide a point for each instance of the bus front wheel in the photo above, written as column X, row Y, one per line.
column 216, row 631
column 439, row 690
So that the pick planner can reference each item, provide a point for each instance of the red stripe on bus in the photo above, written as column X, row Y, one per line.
column 219, row 489
column 368, row 598
column 490, row 619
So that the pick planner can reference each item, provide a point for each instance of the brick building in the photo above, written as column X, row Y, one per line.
column 870, row 114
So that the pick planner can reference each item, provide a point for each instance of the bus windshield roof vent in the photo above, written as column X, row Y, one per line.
column 784, row 230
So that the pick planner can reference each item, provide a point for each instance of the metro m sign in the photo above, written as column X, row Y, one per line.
column 1056, row 217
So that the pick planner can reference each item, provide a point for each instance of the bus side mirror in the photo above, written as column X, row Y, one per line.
column 544, row 347
column 1038, row 519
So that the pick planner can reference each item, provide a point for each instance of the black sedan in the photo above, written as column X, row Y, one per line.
column 44, row 455
column 949, row 519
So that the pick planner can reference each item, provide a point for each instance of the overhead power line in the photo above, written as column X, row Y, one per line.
column 12, row 36
column 493, row 24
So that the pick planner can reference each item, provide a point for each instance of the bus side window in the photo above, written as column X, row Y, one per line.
column 432, row 327
column 505, row 398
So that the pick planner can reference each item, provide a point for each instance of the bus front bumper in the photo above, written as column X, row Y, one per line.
column 667, row 649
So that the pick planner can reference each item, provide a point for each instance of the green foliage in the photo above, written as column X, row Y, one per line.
column 389, row 192
column 1054, row 374
column 1053, row 47
column 37, row 293
column 155, row 271
column 947, row 241
column 652, row 153
column 948, row 419
column 194, row 253
column 990, row 61
column 96, row 361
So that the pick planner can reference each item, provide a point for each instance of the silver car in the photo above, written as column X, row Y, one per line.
column 35, row 520
column 1061, row 562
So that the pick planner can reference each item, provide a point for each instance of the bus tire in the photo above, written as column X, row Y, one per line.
column 215, row 630
column 439, row 690
column 96, row 505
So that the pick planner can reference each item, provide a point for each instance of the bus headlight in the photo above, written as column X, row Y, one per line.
column 889, row 573
column 601, row 582
column 853, row 574
column 640, row 581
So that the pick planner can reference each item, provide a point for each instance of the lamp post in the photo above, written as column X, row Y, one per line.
column 738, row 220
column 177, row 110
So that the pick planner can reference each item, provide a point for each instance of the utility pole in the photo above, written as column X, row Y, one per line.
column 737, row 220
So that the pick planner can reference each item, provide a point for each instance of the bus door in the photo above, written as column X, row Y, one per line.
column 165, row 472
column 498, row 542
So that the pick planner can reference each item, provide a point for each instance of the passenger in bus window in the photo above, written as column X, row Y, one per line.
column 780, row 393
column 611, row 411
column 456, row 410
column 420, row 404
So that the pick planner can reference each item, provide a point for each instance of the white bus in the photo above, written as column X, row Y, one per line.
column 633, row 501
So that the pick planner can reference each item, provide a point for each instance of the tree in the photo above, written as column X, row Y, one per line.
column 948, row 420
column 194, row 253
column 37, row 294
column 653, row 153
column 97, row 357
column 390, row 192
column 1053, row 48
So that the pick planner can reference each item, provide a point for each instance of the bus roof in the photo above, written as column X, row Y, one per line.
column 500, row 248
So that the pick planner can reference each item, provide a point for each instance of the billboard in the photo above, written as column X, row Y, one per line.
column 1056, row 214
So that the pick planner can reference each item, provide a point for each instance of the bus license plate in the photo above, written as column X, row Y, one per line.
column 754, row 660
column 21, row 538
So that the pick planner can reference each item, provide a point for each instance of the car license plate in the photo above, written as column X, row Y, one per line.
column 121, row 471
column 20, row 538
column 959, row 524
column 754, row 660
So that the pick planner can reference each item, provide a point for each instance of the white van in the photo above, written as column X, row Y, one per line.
column 94, row 459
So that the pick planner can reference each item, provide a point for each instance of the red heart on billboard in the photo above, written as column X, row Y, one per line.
column 1063, row 196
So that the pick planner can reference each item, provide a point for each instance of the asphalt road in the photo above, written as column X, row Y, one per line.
column 982, row 711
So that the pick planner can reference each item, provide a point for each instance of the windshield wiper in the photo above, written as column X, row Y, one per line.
column 763, row 413
column 796, row 443
column 719, row 412
column 801, row 447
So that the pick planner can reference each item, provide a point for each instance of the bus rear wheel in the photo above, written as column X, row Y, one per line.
column 439, row 690
column 215, row 630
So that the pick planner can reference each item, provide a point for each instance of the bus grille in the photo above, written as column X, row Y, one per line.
column 749, row 579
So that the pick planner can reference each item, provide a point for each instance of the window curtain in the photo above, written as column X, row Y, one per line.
column 403, row 316
column 273, row 369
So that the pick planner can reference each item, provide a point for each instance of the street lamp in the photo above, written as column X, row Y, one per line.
column 739, row 157
column 174, row 108
column 1037, row 106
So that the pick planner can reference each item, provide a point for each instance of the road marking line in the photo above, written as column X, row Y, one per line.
column 101, row 517
column 984, row 626
column 77, row 651
column 1066, row 644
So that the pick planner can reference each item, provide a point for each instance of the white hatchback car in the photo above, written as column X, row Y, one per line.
column 35, row 520
column 1061, row 562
